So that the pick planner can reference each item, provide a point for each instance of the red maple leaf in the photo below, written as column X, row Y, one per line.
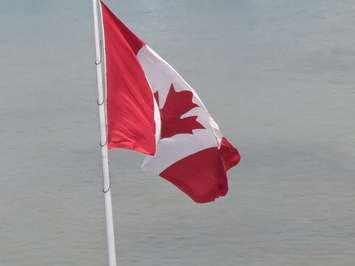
column 177, row 104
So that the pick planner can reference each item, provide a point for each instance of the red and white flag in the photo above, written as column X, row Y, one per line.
column 153, row 110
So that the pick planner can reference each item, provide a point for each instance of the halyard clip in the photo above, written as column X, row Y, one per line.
column 98, row 62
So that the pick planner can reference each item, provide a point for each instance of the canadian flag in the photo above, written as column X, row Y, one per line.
column 153, row 110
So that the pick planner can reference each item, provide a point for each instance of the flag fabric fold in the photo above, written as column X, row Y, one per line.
column 153, row 110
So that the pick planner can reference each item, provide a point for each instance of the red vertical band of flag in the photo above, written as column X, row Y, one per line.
column 203, row 175
column 130, row 108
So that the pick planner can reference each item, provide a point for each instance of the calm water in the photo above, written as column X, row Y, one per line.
column 279, row 78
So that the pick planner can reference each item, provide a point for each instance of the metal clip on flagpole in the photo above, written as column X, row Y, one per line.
column 99, row 61
column 108, row 188
column 103, row 136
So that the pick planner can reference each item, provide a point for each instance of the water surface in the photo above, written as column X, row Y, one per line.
column 278, row 77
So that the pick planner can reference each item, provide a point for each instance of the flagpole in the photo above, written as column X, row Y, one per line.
column 103, row 140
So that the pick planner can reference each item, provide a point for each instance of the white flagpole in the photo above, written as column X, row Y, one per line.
column 103, row 140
